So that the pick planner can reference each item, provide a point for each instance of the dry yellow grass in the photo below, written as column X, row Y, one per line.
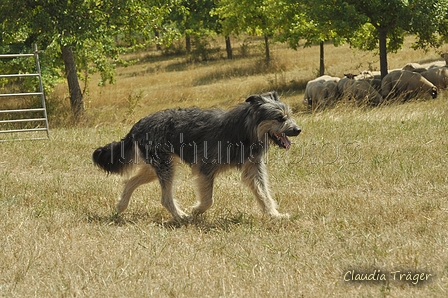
column 366, row 188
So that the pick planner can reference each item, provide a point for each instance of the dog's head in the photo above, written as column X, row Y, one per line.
column 273, row 118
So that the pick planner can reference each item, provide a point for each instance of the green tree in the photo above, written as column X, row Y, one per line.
column 383, row 24
column 193, row 19
column 367, row 24
column 311, row 22
column 80, row 33
column 257, row 18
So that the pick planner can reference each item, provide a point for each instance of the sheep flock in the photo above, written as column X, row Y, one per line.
column 367, row 88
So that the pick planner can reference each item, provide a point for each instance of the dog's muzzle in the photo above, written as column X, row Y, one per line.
column 282, row 139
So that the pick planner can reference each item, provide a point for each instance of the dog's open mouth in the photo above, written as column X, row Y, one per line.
column 281, row 140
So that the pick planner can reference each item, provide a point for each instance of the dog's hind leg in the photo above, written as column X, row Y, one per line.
column 165, row 173
column 254, row 175
column 144, row 175
column 204, row 190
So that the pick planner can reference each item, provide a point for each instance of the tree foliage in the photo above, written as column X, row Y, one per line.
column 85, row 36
column 312, row 22
column 86, row 29
column 429, row 22
column 386, row 22
column 256, row 18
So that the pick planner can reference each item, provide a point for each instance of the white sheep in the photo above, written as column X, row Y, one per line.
column 438, row 76
column 406, row 84
column 415, row 67
column 320, row 92
column 360, row 90
column 372, row 77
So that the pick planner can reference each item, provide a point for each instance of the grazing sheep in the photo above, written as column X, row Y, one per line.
column 365, row 92
column 406, row 84
column 415, row 67
column 367, row 74
column 372, row 77
column 359, row 90
column 438, row 76
column 344, row 85
column 321, row 91
column 313, row 92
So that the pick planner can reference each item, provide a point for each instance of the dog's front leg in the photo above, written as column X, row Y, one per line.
column 255, row 176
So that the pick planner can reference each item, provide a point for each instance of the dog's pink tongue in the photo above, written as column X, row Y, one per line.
column 286, row 142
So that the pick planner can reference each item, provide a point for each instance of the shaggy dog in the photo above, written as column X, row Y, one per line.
column 210, row 141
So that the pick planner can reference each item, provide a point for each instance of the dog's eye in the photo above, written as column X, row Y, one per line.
column 281, row 119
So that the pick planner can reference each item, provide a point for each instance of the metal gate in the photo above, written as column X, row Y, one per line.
column 24, row 123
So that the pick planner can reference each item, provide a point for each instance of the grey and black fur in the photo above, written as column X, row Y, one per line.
column 210, row 141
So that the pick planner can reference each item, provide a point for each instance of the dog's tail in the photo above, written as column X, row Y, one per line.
column 116, row 157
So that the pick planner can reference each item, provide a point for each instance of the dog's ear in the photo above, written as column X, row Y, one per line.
column 263, row 98
column 271, row 95
column 255, row 99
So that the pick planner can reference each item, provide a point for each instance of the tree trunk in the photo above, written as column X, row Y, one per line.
column 229, row 48
column 76, row 100
column 321, row 64
column 383, row 51
column 188, row 43
column 157, row 35
column 266, row 45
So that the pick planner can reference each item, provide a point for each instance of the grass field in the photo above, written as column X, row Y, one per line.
column 366, row 189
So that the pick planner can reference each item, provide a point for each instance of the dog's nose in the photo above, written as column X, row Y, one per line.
column 296, row 130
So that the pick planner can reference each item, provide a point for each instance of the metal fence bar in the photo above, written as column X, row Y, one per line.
column 41, row 87
column 22, row 110
column 19, row 75
column 20, row 94
column 22, row 120
column 23, row 130
column 16, row 55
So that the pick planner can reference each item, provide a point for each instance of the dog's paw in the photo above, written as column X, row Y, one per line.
column 284, row 215
column 196, row 212
column 278, row 215
column 119, row 208
column 183, row 217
